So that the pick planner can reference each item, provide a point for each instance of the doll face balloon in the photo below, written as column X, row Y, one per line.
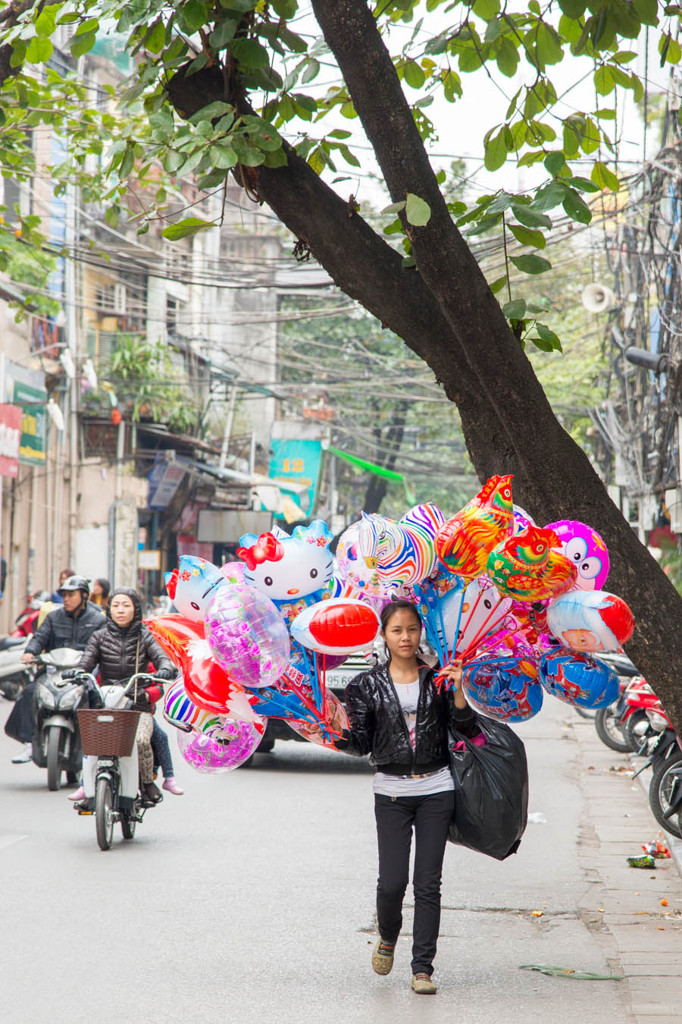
column 585, row 548
column 287, row 568
column 590, row 621
column 192, row 585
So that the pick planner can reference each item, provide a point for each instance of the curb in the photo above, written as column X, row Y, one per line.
column 672, row 842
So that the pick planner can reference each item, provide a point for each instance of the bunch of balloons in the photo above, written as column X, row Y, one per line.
column 254, row 639
column 521, row 605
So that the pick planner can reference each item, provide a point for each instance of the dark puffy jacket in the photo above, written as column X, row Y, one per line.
column 378, row 727
column 121, row 652
column 63, row 629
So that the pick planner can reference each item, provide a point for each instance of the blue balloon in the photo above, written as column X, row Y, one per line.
column 578, row 678
column 505, row 687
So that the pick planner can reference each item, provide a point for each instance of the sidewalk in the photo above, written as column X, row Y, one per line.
column 640, row 934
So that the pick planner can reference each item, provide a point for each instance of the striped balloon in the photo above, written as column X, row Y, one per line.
column 180, row 710
column 404, row 551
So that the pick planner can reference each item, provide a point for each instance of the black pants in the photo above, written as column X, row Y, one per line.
column 21, row 724
column 396, row 817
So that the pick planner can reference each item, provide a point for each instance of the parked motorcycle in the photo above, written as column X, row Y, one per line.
column 634, row 721
column 110, row 767
column 665, row 792
column 56, row 741
column 13, row 674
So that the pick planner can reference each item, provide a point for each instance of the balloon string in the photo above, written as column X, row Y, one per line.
column 461, row 588
column 485, row 628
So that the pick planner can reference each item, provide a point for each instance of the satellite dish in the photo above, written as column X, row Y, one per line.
column 597, row 298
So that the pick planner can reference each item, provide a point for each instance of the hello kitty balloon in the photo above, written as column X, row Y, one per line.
column 293, row 571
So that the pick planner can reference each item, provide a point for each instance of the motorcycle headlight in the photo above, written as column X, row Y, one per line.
column 45, row 696
column 69, row 699
column 657, row 721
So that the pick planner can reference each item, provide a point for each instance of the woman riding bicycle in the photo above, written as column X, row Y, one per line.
column 123, row 648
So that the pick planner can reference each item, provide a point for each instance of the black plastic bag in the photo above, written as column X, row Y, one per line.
column 491, row 790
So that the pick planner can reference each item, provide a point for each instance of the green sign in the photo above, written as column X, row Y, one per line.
column 33, row 422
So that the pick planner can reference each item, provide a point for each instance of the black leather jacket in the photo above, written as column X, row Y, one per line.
column 64, row 629
column 378, row 727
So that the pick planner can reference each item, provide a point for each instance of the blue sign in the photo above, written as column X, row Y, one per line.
column 297, row 462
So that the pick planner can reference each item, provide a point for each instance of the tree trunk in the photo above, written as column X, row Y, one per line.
column 447, row 315
column 392, row 439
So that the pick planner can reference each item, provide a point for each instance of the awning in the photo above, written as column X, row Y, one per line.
column 372, row 467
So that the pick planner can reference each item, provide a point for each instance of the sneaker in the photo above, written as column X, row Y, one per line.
column 78, row 795
column 25, row 756
column 382, row 957
column 423, row 985
column 171, row 786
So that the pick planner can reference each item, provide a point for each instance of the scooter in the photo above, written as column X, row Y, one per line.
column 110, row 767
column 56, row 741
column 665, row 757
column 13, row 674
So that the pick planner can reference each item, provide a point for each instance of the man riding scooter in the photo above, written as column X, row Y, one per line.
column 70, row 625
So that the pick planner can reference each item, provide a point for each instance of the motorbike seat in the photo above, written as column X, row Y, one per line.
column 8, row 642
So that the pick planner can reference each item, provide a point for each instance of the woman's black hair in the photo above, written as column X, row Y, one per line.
column 105, row 585
column 402, row 604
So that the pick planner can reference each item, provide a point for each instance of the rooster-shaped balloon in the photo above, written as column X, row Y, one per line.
column 525, row 567
column 464, row 542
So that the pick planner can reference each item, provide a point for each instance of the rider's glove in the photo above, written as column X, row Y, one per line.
column 70, row 673
column 166, row 673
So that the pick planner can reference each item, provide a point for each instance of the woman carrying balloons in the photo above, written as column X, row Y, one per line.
column 400, row 716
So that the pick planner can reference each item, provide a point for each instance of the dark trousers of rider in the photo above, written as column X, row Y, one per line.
column 396, row 817
column 21, row 723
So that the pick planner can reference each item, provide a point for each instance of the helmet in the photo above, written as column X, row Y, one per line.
column 75, row 583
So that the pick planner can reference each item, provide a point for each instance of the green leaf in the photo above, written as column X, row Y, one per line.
column 487, row 9
column 414, row 75
column 311, row 71
column 550, row 195
column 507, row 57
column 293, row 41
column 497, row 285
column 194, row 14
column 555, row 162
column 249, row 53
column 250, row 156
column 582, row 184
column 185, row 228
column 528, row 237
column 156, row 37
column 515, row 310
column 603, row 177
column 81, row 45
column 211, row 111
column 550, row 340
column 39, row 50
column 604, row 82
column 285, row 8
column 576, row 208
column 394, row 207
column 223, row 33
column 223, row 156
column 573, row 8
column 212, row 179
column 531, row 264
column 45, row 22
column 417, row 211
column 529, row 217
column 496, row 149
column 547, row 43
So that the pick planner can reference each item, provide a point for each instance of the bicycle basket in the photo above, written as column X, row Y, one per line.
column 108, row 732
